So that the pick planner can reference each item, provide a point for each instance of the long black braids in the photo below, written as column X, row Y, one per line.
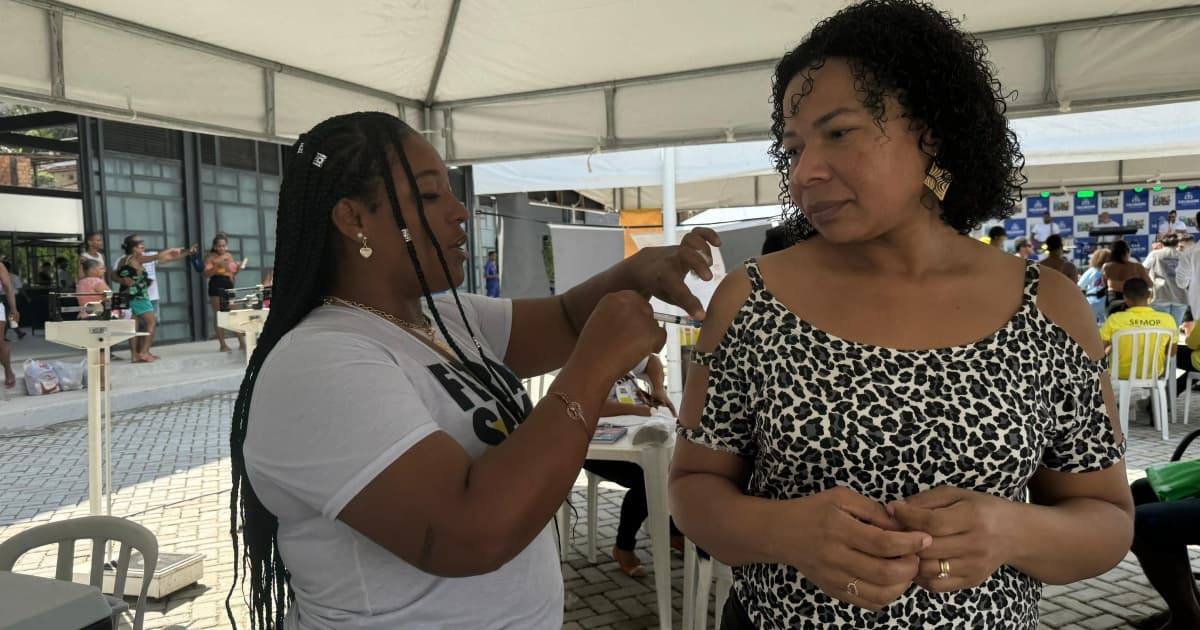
column 303, row 268
column 340, row 158
column 482, row 370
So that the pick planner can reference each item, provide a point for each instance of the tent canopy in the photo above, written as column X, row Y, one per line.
column 493, row 79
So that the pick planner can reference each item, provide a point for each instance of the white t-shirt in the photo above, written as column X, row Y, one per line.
column 1165, row 226
column 341, row 397
column 152, row 290
column 1042, row 231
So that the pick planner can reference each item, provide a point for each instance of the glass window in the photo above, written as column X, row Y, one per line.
column 143, row 187
column 237, row 219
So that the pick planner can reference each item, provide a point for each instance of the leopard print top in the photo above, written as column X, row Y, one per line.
column 812, row 411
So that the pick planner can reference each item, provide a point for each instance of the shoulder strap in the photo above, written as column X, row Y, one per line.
column 1033, row 274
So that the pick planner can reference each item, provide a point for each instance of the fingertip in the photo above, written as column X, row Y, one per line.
column 926, row 542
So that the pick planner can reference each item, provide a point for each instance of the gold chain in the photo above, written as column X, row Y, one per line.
column 425, row 331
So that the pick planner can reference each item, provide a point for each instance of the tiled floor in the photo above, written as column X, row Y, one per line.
column 172, row 473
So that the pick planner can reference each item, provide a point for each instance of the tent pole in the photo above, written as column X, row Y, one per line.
column 674, row 367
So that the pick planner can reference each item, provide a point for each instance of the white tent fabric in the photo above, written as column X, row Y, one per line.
column 490, row 79
column 1134, row 133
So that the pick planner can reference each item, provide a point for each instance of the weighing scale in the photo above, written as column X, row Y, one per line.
column 96, row 335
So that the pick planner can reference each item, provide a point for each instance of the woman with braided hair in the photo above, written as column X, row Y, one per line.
column 389, row 471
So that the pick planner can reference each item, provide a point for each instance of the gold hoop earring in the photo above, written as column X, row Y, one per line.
column 365, row 251
column 937, row 180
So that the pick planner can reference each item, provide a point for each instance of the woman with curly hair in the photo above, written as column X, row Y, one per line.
column 862, row 441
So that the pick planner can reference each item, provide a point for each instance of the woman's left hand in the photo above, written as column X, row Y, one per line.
column 659, row 271
column 970, row 535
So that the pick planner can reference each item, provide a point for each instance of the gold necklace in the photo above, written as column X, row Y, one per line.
column 425, row 332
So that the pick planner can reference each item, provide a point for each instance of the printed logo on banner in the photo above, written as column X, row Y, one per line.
column 1015, row 228
column 1139, row 245
column 1086, row 205
column 1139, row 220
column 1158, row 223
column 1084, row 247
column 1187, row 200
column 1036, row 206
column 1137, row 201
column 1083, row 225
column 1062, row 227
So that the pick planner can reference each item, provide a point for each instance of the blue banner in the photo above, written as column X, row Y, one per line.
column 1158, row 223
column 1036, row 206
column 1086, row 205
column 1015, row 228
column 1187, row 200
column 1139, row 245
column 1137, row 201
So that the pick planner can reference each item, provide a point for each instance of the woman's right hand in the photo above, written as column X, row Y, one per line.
column 620, row 332
column 838, row 537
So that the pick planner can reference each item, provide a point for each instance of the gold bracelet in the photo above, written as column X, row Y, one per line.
column 574, row 412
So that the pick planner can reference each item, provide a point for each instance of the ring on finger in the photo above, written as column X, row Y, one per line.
column 944, row 569
column 852, row 587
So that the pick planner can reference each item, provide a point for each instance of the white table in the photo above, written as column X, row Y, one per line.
column 37, row 603
column 247, row 321
column 655, row 459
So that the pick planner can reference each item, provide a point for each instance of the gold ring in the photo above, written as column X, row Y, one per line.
column 852, row 587
column 944, row 565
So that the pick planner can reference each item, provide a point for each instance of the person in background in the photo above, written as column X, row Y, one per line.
column 1163, row 265
column 1055, row 260
column 997, row 236
column 1172, row 224
column 628, row 399
column 1162, row 531
column 1120, row 268
column 831, row 450
column 92, row 282
column 1187, row 272
column 221, row 270
column 1023, row 248
column 18, row 286
column 46, row 276
column 151, row 268
column 134, row 282
column 1137, row 314
column 1041, row 232
column 62, row 275
column 491, row 275
column 1105, row 220
column 1092, row 284
column 91, row 249
column 11, row 317
column 1186, row 241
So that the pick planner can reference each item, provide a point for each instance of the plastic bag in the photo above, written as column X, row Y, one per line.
column 1175, row 480
column 40, row 378
column 71, row 375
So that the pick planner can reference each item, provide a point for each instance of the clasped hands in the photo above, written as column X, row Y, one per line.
column 943, row 539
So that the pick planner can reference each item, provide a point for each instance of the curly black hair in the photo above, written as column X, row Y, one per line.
column 944, row 83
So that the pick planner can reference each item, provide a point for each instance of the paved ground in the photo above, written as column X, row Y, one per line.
column 172, row 473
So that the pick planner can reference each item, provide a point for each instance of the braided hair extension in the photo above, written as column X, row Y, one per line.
column 482, row 371
column 945, row 85
column 304, row 264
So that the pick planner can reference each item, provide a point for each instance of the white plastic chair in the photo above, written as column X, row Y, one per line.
column 706, row 572
column 564, row 521
column 100, row 530
column 1192, row 377
column 1145, row 372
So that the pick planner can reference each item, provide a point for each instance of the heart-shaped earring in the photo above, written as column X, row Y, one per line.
column 365, row 251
